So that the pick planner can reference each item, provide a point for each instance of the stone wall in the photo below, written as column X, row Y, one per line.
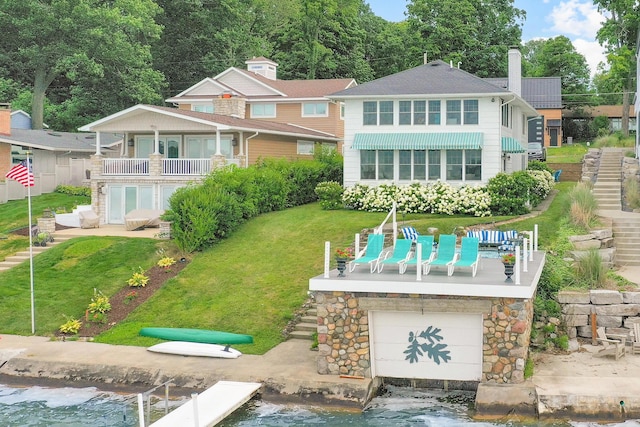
column 590, row 165
column 344, row 340
column 615, row 311
column 602, row 240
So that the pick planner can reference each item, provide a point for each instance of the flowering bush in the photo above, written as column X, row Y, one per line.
column 509, row 258
column 166, row 262
column 130, row 296
column 138, row 280
column 330, row 195
column 344, row 253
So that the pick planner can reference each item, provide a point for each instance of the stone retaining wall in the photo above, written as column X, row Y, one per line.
column 615, row 311
column 602, row 240
column 344, row 335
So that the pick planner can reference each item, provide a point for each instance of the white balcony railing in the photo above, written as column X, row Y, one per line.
column 186, row 166
column 125, row 167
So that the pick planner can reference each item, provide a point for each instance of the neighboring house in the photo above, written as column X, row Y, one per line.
column 168, row 148
column 585, row 115
column 258, row 94
column 434, row 122
column 57, row 157
column 545, row 95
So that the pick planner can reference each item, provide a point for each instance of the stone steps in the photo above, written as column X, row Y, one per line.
column 22, row 256
column 307, row 327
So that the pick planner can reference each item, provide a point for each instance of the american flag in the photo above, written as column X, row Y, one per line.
column 22, row 173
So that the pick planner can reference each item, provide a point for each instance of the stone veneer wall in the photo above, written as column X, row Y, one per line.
column 614, row 310
column 343, row 333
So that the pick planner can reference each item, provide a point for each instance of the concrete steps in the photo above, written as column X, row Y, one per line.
column 307, row 327
column 22, row 256
column 608, row 186
column 626, row 234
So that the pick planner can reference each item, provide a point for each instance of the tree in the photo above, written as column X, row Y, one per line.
column 618, row 35
column 557, row 57
column 47, row 39
column 476, row 33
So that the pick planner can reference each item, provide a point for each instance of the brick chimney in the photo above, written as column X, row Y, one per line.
column 515, row 70
column 5, row 119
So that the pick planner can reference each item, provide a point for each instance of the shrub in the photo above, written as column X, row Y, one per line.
column 632, row 193
column 537, row 165
column 73, row 190
column 583, row 206
column 511, row 193
column 138, row 279
column 330, row 195
column 99, row 303
column 71, row 326
column 590, row 271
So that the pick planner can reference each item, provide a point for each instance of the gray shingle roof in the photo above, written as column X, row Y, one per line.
column 540, row 92
column 434, row 78
column 59, row 141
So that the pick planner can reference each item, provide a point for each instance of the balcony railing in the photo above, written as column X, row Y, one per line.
column 125, row 167
column 186, row 166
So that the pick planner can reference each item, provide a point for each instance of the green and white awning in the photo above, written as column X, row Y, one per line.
column 418, row 141
column 511, row 145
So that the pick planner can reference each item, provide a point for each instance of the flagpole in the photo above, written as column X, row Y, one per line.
column 33, row 312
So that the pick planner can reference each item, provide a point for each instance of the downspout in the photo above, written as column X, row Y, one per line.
column 247, row 153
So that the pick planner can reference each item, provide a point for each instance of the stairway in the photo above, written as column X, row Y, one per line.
column 607, row 188
column 626, row 234
column 22, row 256
column 307, row 326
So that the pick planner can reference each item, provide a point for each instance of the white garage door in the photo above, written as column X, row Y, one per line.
column 440, row 346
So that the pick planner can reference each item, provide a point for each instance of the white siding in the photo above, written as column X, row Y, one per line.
column 461, row 334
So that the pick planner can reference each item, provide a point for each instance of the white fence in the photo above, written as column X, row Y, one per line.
column 186, row 166
column 125, row 166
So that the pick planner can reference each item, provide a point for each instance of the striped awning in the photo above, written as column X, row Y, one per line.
column 418, row 141
column 511, row 145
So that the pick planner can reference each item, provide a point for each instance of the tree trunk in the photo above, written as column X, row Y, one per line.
column 37, row 104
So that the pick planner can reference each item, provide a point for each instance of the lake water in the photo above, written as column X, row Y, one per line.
column 82, row 407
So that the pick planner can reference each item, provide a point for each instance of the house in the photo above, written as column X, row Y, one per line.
column 259, row 94
column 585, row 115
column 167, row 148
column 237, row 117
column 545, row 95
column 434, row 122
column 58, row 158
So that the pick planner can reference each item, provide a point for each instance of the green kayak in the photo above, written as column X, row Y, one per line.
column 196, row 335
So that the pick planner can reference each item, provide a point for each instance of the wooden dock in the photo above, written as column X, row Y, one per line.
column 212, row 405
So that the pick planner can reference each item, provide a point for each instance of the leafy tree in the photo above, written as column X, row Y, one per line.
column 47, row 39
column 473, row 32
column 618, row 35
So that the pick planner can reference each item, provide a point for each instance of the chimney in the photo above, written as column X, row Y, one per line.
column 263, row 66
column 515, row 70
column 5, row 119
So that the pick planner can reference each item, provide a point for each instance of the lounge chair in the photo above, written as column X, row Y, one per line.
column 401, row 253
column 635, row 345
column 372, row 253
column 469, row 256
column 410, row 233
column 556, row 175
column 446, row 252
column 611, row 347
column 427, row 253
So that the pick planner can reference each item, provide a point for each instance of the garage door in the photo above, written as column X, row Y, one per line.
column 440, row 346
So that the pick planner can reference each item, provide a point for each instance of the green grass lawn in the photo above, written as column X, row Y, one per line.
column 573, row 153
column 250, row 283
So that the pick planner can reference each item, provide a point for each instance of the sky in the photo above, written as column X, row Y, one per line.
column 579, row 20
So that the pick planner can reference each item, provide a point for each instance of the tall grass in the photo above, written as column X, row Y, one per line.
column 590, row 271
column 583, row 206
column 632, row 193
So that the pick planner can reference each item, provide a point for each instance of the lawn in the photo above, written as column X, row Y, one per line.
column 573, row 153
column 250, row 283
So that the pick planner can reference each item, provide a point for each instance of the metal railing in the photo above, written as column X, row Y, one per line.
column 125, row 166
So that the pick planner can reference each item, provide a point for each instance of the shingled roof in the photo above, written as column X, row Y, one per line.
column 540, row 92
column 59, row 141
column 434, row 78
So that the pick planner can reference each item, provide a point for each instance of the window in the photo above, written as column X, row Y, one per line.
column 202, row 108
column 419, row 112
column 434, row 112
column 454, row 115
column 404, row 112
column 419, row 164
column 505, row 114
column 470, row 111
column 342, row 111
column 386, row 112
column 305, row 147
column 412, row 165
column 170, row 147
column 369, row 113
column 405, row 164
column 434, row 165
column 472, row 165
column 314, row 109
column 263, row 110
column 367, row 164
column 454, row 165
column 385, row 164
column 18, row 154
column 203, row 147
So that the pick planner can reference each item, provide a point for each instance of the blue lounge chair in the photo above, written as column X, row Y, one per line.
column 469, row 256
column 372, row 253
column 446, row 252
column 556, row 175
column 427, row 253
column 401, row 253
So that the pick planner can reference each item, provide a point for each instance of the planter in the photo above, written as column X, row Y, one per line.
column 342, row 266
column 508, row 271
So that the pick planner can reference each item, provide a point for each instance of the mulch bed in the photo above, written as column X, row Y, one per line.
column 121, row 306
